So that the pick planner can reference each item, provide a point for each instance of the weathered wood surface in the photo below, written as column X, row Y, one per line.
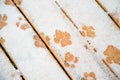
column 112, row 7
column 79, row 33
column 96, row 27
column 25, row 48
column 80, row 36
column 7, row 71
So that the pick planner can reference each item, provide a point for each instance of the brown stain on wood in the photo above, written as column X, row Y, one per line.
column 3, row 19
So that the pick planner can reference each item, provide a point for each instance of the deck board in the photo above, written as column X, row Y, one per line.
column 50, row 21
column 107, row 38
column 112, row 8
column 60, row 39
column 7, row 71
column 26, row 49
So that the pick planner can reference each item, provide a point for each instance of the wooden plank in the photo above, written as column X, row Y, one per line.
column 25, row 48
column 7, row 71
column 112, row 7
column 65, row 42
column 97, row 28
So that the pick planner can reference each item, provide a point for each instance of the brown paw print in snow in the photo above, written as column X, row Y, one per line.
column 3, row 19
column 2, row 40
column 88, row 31
column 63, row 38
column 38, row 42
column 47, row 38
column 18, row 2
column 89, row 76
column 23, row 26
column 113, row 54
column 70, row 60
column 9, row 2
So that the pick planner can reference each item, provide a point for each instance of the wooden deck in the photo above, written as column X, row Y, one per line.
column 59, row 39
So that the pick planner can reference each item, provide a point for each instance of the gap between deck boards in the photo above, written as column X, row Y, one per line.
column 75, row 25
column 105, row 10
column 11, row 60
column 50, row 50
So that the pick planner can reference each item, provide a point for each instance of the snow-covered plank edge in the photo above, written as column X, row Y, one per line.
column 112, row 8
column 7, row 70
column 25, row 48
column 24, row 9
column 80, row 15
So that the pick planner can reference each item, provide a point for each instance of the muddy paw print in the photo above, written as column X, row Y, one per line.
column 47, row 38
column 9, row 2
column 3, row 19
column 70, row 60
column 63, row 38
column 89, row 76
column 113, row 54
column 88, row 31
column 18, row 2
column 38, row 42
column 23, row 26
column 2, row 40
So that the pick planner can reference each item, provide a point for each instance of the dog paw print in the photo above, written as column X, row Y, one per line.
column 38, row 42
column 18, row 2
column 3, row 19
column 88, row 31
column 23, row 26
column 47, row 38
column 2, row 40
column 70, row 60
column 63, row 38
column 9, row 2
column 113, row 54
column 89, row 76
